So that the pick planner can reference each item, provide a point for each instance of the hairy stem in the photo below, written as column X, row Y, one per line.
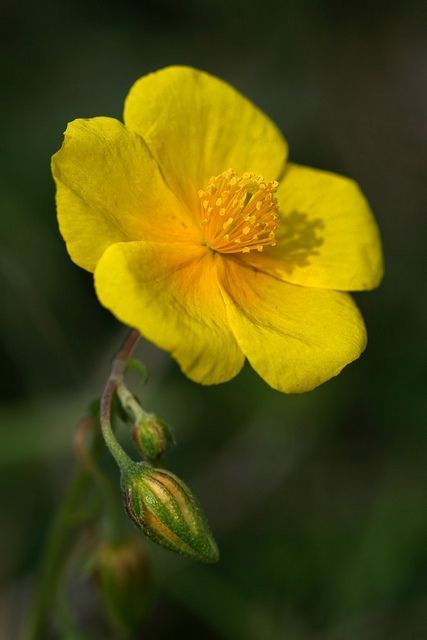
column 113, row 527
column 115, row 378
column 65, row 521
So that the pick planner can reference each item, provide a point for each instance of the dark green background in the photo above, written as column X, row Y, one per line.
column 318, row 501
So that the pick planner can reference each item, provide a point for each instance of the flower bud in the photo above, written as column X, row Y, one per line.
column 123, row 576
column 152, row 436
column 166, row 510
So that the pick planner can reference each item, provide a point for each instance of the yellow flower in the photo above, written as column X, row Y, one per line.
column 203, row 237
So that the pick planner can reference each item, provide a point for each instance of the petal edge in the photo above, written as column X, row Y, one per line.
column 296, row 338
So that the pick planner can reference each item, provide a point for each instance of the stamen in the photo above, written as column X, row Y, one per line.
column 249, row 207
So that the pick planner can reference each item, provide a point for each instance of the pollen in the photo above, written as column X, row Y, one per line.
column 239, row 213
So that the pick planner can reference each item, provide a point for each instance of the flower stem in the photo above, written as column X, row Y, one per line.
column 115, row 378
column 65, row 520
column 129, row 402
column 113, row 527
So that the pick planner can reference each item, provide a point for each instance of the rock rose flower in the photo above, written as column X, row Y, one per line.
column 202, row 236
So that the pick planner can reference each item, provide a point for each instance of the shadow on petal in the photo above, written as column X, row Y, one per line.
column 298, row 238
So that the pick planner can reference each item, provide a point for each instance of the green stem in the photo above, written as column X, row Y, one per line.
column 54, row 557
column 64, row 522
column 113, row 527
column 129, row 402
column 115, row 378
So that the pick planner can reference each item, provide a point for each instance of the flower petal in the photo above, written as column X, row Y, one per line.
column 197, row 126
column 294, row 337
column 327, row 236
column 109, row 189
column 170, row 293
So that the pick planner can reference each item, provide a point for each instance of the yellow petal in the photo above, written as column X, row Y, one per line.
column 170, row 293
column 109, row 189
column 197, row 126
column 296, row 338
column 327, row 235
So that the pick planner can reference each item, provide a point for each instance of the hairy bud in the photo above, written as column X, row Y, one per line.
column 152, row 436
column 166, row 510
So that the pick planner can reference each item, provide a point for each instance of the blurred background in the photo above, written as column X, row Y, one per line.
column 318, row 502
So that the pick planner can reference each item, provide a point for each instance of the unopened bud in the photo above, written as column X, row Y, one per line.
column 152, row 436
column 166, row 510
column 124, row 578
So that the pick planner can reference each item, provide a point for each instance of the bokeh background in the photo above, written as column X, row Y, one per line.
column 318, row 501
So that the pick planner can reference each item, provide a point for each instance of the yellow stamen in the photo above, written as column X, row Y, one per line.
column 251, row 211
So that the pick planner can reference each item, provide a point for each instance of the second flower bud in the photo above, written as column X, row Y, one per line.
column 151, row 435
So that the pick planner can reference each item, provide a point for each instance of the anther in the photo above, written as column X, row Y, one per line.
column 251, row 208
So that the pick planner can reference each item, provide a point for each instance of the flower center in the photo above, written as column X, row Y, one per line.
column 239, row 212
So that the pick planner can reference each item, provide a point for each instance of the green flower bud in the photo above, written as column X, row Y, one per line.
column 166, row 510
column 124, row 579
column 152, row 436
